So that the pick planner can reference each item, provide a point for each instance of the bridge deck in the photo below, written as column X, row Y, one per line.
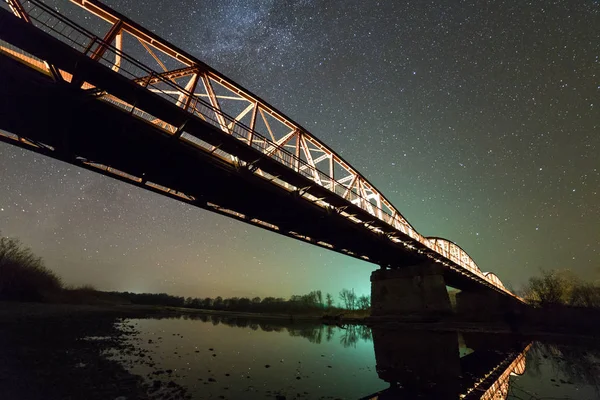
column 152, row 132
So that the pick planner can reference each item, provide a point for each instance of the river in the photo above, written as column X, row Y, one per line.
column 208, row 356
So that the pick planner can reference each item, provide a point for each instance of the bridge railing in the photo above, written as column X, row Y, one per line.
column 113, row 57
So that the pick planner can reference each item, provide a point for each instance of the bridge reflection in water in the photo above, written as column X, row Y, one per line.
column 450, row 366
column 417, row 364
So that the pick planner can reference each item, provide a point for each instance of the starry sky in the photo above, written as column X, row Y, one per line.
column 479, row 120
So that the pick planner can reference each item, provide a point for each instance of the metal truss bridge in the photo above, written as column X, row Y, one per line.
column 126, row 103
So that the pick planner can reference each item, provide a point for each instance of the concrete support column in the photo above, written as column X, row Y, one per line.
column 418, row 290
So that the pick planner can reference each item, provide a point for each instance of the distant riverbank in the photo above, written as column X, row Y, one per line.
column 540, row 323
column 23, row 310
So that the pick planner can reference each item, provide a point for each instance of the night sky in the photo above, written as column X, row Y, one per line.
column 479, row 120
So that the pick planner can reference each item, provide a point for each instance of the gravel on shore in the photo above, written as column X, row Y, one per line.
column 59, row 352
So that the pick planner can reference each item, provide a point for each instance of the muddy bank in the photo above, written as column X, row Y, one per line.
column 58, row 352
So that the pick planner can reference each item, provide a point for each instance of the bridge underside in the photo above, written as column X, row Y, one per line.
column 81, row 129
column 76, row 127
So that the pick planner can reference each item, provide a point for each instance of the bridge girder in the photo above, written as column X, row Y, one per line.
column 246, row 131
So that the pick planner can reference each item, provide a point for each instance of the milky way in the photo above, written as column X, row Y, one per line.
column 479, row 120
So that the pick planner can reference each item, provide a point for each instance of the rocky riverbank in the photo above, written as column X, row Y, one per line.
column 59, row 352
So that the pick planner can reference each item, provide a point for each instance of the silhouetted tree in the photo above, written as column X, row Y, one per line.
column 364, row 302
column 319, row 298
column 244, row 304
column 218, row 303
column 552, row 287
column 561, row 287
column 329, row 300
column 311, row 302
column 207, row 303
column 268, row 300
column 585, row 295
column 23, row 276
column 348, row 298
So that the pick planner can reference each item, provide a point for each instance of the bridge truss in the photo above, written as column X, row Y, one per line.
column 161, row 68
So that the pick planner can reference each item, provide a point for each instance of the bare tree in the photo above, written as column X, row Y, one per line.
column 328, row 300
column 348, row 299
column 319, row 297
column 364, row 302
column 23, row 276
column 561, row 287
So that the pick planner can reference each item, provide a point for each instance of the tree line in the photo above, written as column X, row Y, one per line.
column 561, row 287
column 24, row 277
column 313, row 301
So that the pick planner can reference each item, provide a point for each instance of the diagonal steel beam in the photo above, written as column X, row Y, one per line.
column 108, row 38
column 215, row 103
column 240, row 116
column 281, row 142
column 310, row 160
column 167, row 75
column 349, row 188
column 149, row 50
column 185, row 98
column 317, row 160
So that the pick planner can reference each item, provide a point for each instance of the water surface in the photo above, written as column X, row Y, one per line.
column 239, row 358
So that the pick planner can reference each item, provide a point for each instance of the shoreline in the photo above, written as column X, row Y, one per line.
column 18, row 311
column 49, row 355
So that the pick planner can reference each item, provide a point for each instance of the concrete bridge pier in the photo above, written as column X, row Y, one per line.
column 418, row 290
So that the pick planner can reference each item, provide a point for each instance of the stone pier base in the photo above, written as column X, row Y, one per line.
column 418, row 290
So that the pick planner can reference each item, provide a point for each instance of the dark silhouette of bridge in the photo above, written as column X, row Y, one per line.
column 132, row 106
